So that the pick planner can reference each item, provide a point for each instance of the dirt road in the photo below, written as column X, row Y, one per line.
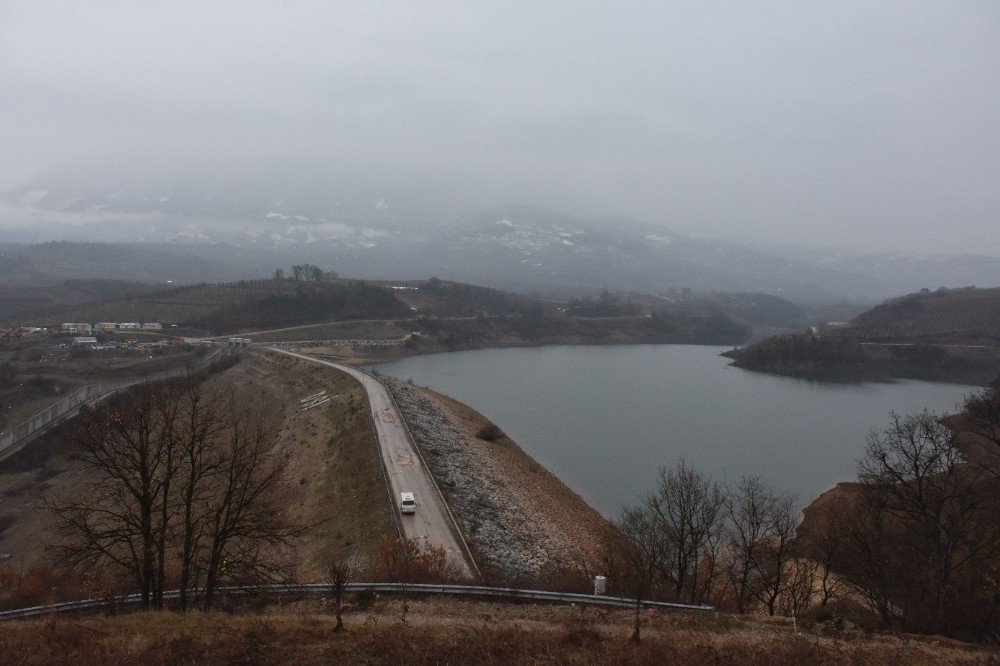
column 431, row 523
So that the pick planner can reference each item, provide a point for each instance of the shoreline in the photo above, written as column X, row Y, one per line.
column 349, row 356
column 376, row 360
column 519, row 518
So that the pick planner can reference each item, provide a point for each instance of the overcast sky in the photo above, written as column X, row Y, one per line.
column 871, row 125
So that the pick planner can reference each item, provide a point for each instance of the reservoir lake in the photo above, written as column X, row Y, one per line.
column 603, row 418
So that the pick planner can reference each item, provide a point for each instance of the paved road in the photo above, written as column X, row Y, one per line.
column 431, row 524
column 926, row 344
column 339, row 322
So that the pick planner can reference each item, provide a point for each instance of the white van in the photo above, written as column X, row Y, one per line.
column 407, row 504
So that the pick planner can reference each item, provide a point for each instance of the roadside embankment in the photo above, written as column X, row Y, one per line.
column 518, row 518
column 331, row 480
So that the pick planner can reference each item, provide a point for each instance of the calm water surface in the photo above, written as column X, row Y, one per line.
column 604, row 418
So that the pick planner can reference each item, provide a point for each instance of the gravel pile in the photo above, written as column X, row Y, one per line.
column 507, row 534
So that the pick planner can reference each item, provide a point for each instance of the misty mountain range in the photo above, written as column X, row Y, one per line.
column 190, row 235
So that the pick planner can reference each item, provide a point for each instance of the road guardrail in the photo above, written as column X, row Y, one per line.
column 389, row 588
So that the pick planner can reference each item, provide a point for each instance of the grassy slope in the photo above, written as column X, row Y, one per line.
column 22, row 300
column 36, row 377
column 235, row 305
column 332, row 482
column 266, row 304
column 957, row 317
column 454, row 632
column 62, row 260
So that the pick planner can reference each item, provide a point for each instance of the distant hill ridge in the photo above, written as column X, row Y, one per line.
column 955, row 316
column 282, row 302
column 951, row 335
column 514, row 247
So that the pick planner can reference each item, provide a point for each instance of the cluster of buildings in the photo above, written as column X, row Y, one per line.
column 104, row 327
column 21, row 331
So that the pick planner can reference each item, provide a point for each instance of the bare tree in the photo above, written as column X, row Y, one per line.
column 867, row 557
column 821, row 539
column 199, row 433
column 799, row 586
column 940, row 510
column 776, row 554
column 178, row 479
column 644, row 549
column 241, row 516
column 748, row 509
column 120, row 519
column 342, row 572
column 689, row 506
column 759, row 544
column 710, row 565
column 313, row 273
column 981, row 419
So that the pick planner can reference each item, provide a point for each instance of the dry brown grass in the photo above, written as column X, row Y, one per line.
column 332, row 481
column 480, row 633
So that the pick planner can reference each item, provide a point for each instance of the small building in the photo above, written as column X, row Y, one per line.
column 129, row 326
column 75, row 327
column 85, row 341
column 152, row 326
column 106, row 326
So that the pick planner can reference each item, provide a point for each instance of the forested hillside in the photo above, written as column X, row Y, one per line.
column 20, row 300
column 949, row 335
column 440, row 306
column 233, row 306
column 957, row 316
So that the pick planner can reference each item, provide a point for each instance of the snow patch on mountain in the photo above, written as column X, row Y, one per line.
column 659, row 240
